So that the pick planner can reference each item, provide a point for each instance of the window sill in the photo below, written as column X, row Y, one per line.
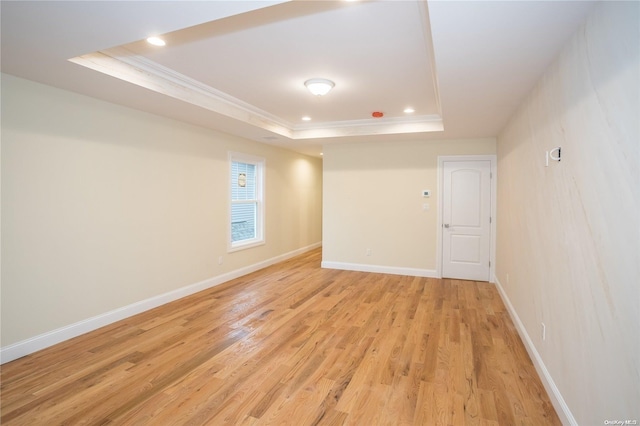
column 237, row 246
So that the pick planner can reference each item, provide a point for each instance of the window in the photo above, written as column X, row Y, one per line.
column 247, row 206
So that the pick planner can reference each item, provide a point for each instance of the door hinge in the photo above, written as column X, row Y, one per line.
column 490, row 175
column 489, row 219
column 489, row 264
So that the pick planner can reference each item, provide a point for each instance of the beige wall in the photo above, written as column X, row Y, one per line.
column 104, row 206
column 373, row 200
column 568, row 249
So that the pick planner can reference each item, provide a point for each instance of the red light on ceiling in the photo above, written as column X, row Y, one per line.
column 377, row 114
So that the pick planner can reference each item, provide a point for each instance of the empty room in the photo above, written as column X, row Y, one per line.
column 373, row 212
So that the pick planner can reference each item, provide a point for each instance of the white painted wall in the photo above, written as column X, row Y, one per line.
column 373, row 200
column 568, row 249
column 104, row 206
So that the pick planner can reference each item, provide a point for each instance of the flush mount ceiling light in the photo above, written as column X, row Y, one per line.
column 319, row 86
column 156, row 41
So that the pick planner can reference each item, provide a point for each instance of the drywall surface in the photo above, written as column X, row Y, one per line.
column 104, row 206
column 568, row 250
column 373, row 212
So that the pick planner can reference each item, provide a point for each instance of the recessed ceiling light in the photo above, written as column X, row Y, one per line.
column 306, row 118
column 156, row 41
column 409, row 110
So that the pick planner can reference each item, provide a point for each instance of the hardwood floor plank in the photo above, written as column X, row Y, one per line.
column 400, row 405
column 292, row 344
column 426, row 410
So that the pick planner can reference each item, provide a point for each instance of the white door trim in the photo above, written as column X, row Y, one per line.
column 494, row 189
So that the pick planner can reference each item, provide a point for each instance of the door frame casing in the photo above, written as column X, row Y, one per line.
column 492, row 158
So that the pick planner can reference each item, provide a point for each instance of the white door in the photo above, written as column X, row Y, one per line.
column 466, row 220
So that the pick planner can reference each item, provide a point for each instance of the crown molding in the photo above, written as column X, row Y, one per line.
column 127, row 66
column 372, row 126
column 122, row 64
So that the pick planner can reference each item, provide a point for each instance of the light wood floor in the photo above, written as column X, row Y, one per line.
column 292, row 344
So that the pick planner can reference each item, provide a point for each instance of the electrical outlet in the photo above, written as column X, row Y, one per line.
column 544, row 332
column 368, row 253
column 220, row 260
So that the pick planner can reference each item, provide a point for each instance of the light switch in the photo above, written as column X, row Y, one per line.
column 426, row 193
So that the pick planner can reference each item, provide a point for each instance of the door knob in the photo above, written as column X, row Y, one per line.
column 446, row 225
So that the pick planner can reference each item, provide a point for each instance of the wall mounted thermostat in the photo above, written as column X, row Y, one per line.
column 426, row 193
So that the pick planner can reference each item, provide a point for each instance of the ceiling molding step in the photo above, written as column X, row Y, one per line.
column 425, row 124
column 423, row 7
column 371, row 122
column 124, row 65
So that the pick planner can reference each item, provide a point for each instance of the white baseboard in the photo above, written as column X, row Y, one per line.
column 360, row 267
column 566, row 417
column 42, row 341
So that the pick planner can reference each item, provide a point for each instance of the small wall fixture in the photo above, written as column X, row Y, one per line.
column 554, row 154
column 319, row 86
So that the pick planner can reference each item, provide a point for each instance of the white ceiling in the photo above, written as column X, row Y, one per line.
column 239, row 66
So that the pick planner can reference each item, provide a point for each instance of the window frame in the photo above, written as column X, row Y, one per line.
column 260, row 165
